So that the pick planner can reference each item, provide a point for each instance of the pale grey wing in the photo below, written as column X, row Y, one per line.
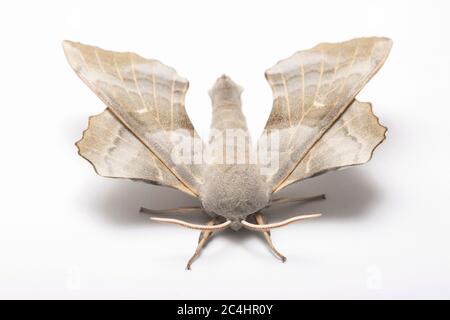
column 116, row 152
column 312, row 89
column 350, row 141
column 147, row 97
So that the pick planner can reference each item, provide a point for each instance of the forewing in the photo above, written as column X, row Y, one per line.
column 147, row 97
column 311, row 91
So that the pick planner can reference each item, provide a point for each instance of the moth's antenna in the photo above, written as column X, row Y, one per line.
column 202, row 227
column 266, row 227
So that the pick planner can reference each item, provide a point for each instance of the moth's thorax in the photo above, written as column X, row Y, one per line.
column 234, row 192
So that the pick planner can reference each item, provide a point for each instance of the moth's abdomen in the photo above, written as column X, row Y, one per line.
column 226, row 105
column 229, row 140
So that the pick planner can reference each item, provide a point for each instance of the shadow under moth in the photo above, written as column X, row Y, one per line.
column 315, row 125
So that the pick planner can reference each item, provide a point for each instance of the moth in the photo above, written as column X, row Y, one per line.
column 317, row 122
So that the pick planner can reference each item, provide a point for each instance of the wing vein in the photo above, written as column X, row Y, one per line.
column 286, row 96
column 154, row 96
column 133, row 71
column 171, row 102
column 97, row 57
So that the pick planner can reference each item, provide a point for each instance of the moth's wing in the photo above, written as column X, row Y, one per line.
column 350, row 141
column 312, row 89
column 147, row 97
column 116, row 152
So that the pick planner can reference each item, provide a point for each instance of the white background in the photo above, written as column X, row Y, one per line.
column 67, row 233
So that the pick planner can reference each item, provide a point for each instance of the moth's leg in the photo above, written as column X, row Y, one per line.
column 296, row 200
column 259, row 216
column 203, row 238
column 175, row 210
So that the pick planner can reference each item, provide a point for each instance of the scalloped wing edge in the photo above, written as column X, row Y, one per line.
column 379, row 138
column 83, row 145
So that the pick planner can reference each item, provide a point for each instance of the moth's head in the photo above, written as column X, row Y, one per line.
column 225, row 91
